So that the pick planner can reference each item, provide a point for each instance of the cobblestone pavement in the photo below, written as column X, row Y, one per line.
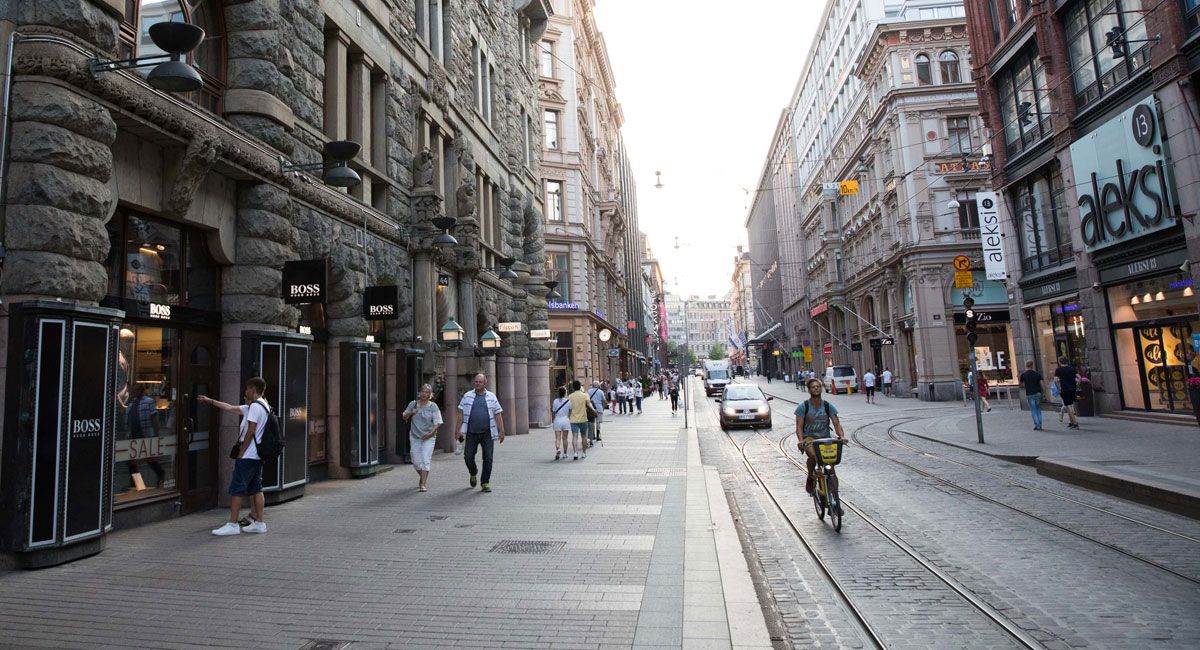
column 630, row 558
column 1066, row 591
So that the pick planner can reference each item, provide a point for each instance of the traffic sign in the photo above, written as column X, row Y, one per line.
column 962, row 263
column 963, row 280
column 848, row 187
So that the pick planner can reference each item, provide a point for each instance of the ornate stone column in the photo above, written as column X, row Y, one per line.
column 506, row 390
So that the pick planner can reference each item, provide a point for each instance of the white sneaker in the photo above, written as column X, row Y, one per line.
column 230, row 528
column 584, row 454
column 256, row 527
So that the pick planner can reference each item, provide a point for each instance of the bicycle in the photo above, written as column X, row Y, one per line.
column 825, row 487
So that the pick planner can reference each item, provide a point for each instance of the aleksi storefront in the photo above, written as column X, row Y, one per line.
column 1056, row 320
column 1129, row 224
column 165, row 453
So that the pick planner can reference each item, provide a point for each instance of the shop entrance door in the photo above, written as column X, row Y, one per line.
column 198, row 435
column 1163, row 356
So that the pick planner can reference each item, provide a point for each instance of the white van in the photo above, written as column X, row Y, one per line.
column 841, row 379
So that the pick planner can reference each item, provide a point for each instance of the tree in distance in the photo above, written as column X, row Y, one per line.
column 717, row 351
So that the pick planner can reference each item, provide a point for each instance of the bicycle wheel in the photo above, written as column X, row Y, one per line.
column 818, row 502
column 835, row 503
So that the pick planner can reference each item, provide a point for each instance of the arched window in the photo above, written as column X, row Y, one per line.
column 949, row 64
column 924, row 71
column 208, row 58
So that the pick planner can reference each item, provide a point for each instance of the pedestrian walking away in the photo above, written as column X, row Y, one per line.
column 1065, row 378
column 424, row 418
column 480, row 424
column 887, row 382
column 596, row 394
column 1032, row 381
column 580, row 404
column 246, row 482
column 560, row 413
column 869, row 386
column 814, row 419
column 637, row 396
column 674, row 391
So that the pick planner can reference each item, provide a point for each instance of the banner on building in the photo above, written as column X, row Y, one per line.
column 990, row 236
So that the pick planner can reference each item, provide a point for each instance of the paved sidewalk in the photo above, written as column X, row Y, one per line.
column 1153, row 463
column 633, row 546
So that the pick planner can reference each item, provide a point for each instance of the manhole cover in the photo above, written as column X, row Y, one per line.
column 528, row 546
column 404, row 531
column 325, row 644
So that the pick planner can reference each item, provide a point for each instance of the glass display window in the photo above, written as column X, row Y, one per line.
column 993, row 352
column 1164, row 296
column 1154, row 322
column 145, row 448
column 1058, row 331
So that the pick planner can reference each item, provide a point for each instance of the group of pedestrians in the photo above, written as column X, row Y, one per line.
column 1065, row 386
column 577, row 417
column 624, row 395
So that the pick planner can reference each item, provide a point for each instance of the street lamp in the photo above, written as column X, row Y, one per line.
column 553, row 295
column 173, row 75
column 444, row 238
column 490, row 340
column 452, row 332
column 504, row 266
column 340, row 174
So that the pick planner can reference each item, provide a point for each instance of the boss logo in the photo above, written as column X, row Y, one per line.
column 93, row 425
column 160, row 311
column 382, row 310
column 296, row 413
column 304, row 290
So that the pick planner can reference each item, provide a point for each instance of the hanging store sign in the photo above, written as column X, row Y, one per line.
column 614, row 352
column 994, row 316
column 856, row 347
column 508, row 327
column 1126, row 189
column 304, row 281
column 990, row 236
column 539, row 335
column 958, row 168
column 827, row 349
column 381, row 303
column 819, row 309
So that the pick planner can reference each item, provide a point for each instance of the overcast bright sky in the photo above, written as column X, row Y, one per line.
column 702, row 85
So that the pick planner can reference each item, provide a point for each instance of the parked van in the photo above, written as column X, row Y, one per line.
column 841, row 379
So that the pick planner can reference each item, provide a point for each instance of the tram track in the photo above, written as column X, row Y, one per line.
column 857, row 437
column 868, row 633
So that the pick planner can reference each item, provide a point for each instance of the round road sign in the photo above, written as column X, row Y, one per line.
column 962, row 263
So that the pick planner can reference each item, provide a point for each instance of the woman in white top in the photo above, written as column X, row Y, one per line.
column 560, row 410
column 423, row 417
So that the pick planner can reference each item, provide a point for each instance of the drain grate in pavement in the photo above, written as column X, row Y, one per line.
column 404, row 531
column 325, row 644
column 666, row 471
column 438, row 517
column 464, row 525
column 528, row 546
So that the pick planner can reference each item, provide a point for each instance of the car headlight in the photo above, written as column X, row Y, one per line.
column 729, row 411
column 764, row 410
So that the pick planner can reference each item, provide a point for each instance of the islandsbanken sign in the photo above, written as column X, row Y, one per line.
column 381, row 303
column 304, row 281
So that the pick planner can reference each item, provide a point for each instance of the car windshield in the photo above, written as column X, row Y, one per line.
column 718, row 374
column 743, row 392
column 843, row 371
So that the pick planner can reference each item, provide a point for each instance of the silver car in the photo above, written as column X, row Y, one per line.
column 744, row 405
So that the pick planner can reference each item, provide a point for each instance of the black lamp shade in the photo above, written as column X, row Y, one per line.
column 176, row 37
column 174, row 76
column 508, row 274
column 342, row 150
column 342, row 176
column 553, row 295
column 444, row 240
column 443, row 223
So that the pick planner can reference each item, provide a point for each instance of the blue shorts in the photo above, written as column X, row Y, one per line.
column 247, row 477
column 579, row 427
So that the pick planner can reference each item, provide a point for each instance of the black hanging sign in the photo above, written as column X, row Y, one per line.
column 381, row 303
column 304, row 281
column 880, row 342
column 856, row 347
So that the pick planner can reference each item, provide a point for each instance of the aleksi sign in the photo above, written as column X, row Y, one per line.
column 304, row 281
column 990, row 236
column 381, row 303
column 1125, row 187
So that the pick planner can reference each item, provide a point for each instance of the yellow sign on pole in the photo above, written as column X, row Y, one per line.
column 808, row 354
column 848, row 187
column 963, row 280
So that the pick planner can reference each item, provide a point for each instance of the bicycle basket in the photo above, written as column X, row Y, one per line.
column 829, row 450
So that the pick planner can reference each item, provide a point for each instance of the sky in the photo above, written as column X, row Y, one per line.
column 702, row 84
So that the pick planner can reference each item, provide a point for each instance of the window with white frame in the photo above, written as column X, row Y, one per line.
column 554, row 201
column 483, row 73
column 959, row 131
column 560, row 271
column 948, row 62
column 546, row 54
column 431, row 27
column 550, row 129
column 924, row 69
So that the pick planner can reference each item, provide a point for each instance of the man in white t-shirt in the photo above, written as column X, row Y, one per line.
column 246, row 481
column 869, row 386
column 887, row 381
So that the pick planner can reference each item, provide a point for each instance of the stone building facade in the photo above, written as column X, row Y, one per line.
column 741, row 306
column 591, row 237
column 1082, row 99
column 171, row 218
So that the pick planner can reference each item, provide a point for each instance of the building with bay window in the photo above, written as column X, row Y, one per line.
column 1093, row 114
column 166, row 238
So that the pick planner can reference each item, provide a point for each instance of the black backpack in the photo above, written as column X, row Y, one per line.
column 272, row 441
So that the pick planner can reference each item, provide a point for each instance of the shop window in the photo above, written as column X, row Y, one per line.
column 208, row 58
column 1058, row 331
column 993, row 352
column 1045, row 235
column 1098, row 66
column 152, row 261
column 145, row 447
column 1154, row 320
column 562, row 359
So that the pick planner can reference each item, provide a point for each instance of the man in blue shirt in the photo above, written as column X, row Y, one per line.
column 814, row 419
column 480, row 424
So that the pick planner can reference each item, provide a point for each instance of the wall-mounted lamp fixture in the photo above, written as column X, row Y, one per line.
column 340, row 174
column 490, row 340
column 553, row 295
column 504, row 266
column 173, row 75
column 444, row 239
column 452, row 332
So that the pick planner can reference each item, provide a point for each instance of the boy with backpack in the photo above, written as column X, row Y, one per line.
column 259, row 439
column 814, row 419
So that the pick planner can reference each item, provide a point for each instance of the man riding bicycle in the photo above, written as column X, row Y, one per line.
column 814, row 419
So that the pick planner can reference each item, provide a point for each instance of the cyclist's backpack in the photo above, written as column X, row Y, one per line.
column 828, row 416
column 272, row 441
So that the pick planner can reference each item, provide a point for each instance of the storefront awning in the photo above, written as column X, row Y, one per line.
column 763, row 339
